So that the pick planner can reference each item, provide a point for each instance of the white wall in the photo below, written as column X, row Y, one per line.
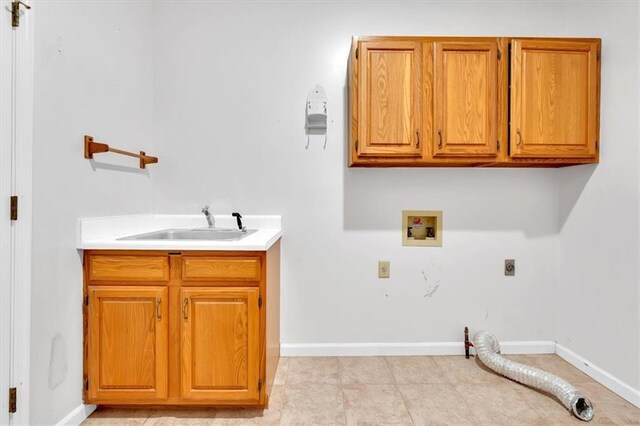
column 228, row 118
column 93, row 74
column 598, row 283
column 230, row 93
column 222, row 86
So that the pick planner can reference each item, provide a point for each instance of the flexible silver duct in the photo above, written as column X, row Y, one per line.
column 488, row 348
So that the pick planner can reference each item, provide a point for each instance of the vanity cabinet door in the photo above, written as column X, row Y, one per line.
column 554, row 98
column 220, row 344
column 127, row 344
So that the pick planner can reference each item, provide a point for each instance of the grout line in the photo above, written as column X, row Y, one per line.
column 344, row 402
column 395, row 381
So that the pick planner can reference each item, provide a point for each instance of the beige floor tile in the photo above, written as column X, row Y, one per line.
column 556, row 365
column 416, row 370
column 118, row 416
column 459, row 370
column 313, row 403
column 609, row 408
column 282, row 371
column 313, row 370
column 548, row 407
column 270, row 416
column 498, row 404
column 436, row 404
column 374, row 404
column 365, row 370
column 187, row 416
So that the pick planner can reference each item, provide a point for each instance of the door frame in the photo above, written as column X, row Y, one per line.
column 16, row 146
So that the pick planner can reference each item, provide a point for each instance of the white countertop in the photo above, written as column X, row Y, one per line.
column 103, row 232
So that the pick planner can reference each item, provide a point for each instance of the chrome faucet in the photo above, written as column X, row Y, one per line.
column 210, row 219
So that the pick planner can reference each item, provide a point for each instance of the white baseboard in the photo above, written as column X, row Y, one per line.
column 78, row 415
column 400, row 349
column 599, row 375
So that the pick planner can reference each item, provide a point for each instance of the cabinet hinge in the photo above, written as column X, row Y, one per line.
column 357, row 52
column 14, row 207
column 13, row 400
column 259, row 385
column 86, row 383
column 598, row 55
column 498, row 145
column 499, row 54
column 259, row 301
column 86, row 301
column 597, row 145
column 356, row 145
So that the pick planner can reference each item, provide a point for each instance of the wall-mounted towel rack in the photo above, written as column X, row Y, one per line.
column 91, row 147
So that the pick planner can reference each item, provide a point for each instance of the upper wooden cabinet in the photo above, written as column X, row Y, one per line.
column 466, row 99
column 390, row 99
column 554, row 98
column 474, row 101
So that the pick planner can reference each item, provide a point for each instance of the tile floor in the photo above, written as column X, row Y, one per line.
column 446, row 390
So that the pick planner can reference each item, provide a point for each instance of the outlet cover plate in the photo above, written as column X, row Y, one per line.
column 384, row 269
column 509, row 267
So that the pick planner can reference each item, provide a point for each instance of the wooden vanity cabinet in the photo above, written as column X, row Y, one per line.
column 473, row 101
column 197, row 328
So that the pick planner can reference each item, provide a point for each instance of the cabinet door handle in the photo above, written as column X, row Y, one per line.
column 185, row 310
column 439, row 138
column 519, row 143
column 158, row 310
column 417, row 138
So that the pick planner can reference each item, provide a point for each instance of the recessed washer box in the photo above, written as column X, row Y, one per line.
column 422, row 228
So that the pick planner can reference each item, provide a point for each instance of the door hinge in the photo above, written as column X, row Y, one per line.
column 13, row 400
column 15, row 12
column 259, row 301
column 357, row 52
column 499, row 54
column 14, row 207
column 259, row 385
column 86, row 383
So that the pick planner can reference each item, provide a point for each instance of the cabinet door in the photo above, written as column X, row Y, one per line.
column 389, row 99
column 466, row 99
column 220, row 336
column 554, row 99
column 127, row 344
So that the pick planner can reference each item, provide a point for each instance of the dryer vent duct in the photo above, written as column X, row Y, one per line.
column 488, row 348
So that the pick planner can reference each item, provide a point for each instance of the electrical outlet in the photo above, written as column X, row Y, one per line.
column 384, row 269
column 509, row 267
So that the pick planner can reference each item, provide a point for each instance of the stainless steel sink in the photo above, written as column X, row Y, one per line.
column 193, row 234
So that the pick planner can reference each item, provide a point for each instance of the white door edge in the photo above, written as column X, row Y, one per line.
column 16, row 147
